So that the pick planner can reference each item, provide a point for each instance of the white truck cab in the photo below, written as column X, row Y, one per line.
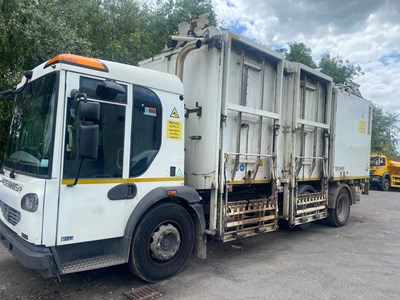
column 57, row 225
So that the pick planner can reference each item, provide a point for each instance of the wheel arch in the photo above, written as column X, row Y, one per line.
column 305, row 187
column 387, row 176
column 186, row 197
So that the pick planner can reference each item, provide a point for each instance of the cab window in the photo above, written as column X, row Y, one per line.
column 110, row 147
column 145, row 131
column 89, row 87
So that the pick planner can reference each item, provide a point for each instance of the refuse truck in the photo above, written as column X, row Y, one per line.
column 384, row 172
column 216, row 138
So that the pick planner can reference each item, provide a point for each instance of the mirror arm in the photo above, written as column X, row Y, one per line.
column 77, row 174
column 78, row 96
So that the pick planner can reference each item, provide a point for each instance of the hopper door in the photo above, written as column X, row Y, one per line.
column 311, row 143
column 249, row 146
column 249, row 134
column 311, row 128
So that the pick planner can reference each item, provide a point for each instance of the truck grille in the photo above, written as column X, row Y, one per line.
column 10, row 214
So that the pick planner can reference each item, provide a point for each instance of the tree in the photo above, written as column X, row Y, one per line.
column 167, row 14
column 118, row 31
column 385, row 132
column 299, row 52
column 127, row 31
column 33, row 31
column 342, row 71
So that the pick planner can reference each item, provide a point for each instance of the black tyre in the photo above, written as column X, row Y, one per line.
column 162, row 243
column 303, row 226
column 385, row 185
column 340, row 214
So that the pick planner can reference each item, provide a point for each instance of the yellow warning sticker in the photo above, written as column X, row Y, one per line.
column 174, row 113
column 174, row 130
column 362, row 126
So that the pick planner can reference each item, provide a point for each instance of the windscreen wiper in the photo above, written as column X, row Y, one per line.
column 16, row 163
column 12, row 173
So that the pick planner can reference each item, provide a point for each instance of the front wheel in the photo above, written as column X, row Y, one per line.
column 338, row 216
column 162, row 243
column 385, row 184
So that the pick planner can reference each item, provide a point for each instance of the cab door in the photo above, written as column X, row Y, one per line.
column 87, row 212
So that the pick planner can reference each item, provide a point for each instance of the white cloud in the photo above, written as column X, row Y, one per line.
column 366, row 32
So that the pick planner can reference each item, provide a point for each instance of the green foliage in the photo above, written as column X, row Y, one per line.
column 34, row 31
column 127, row 32
column 169, row 13
column 118, row 31
column 299, row 52
column 385, row 130
column 342, row 71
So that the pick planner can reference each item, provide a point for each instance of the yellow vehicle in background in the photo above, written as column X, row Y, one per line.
column 384, row 172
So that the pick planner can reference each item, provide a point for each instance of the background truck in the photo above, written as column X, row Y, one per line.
column 384, row 172
column 110, row 164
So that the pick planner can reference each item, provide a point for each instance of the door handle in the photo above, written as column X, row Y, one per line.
column 122, row 191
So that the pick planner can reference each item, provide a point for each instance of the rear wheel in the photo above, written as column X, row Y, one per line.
column 162, row 243
column 340, row 214
column 302, row 190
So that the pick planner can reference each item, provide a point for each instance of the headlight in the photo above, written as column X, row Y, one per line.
column 30, row 202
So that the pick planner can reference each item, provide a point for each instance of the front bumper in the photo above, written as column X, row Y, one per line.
column 375, row 180
column 39, row 258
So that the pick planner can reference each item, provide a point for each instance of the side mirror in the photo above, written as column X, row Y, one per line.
column 109, row 90
column 88, row 133
column 88, row 141
column 89, row 111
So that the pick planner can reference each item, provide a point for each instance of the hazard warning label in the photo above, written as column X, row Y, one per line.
column 178, row 173
column 174, row 114
column 174, row 130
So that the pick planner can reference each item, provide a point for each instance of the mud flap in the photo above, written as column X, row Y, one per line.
column 200, row 243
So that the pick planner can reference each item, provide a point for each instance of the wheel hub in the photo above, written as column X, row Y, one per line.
column 165, row 242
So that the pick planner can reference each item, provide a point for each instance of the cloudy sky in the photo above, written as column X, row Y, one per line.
column 366, row 32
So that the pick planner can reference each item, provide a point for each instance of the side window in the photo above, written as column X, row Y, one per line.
column 111, row 143
column 89, row 87
column 383, row 162
column 146, row 130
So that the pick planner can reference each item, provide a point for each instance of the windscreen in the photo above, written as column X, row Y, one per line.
column 30, row 144
column 376, row 161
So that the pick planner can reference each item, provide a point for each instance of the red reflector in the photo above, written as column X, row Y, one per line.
column 171, row 193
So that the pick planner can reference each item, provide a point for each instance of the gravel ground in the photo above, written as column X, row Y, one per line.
column 358, row 261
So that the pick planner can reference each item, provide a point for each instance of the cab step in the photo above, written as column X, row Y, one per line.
column 91, row 264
